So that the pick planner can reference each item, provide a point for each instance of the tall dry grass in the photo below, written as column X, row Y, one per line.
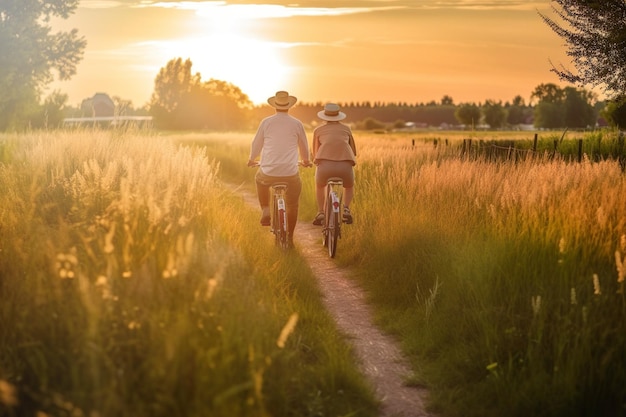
column 503, row 280
column 505, row 276
column 132, row 284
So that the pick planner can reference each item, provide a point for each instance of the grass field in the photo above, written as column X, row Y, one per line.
column 134, row 284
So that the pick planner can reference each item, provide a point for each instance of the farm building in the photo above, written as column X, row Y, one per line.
column 100, row 105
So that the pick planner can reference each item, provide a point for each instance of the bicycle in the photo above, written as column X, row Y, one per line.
column 279, row 221
column 333, row 218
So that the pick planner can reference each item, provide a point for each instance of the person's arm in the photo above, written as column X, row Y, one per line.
column 257, row 145
column 352, row 143
column 315, row 145
column 303, row 145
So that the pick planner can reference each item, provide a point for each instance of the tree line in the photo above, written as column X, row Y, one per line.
column 32, row 55
column 181, row 100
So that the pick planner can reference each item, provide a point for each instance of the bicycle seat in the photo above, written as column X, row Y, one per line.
column 279, row 185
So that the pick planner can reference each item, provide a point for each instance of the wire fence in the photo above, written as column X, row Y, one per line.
column 594, row 148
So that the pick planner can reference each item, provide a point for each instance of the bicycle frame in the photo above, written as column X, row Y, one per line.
column 333, row 214
column 279, row 221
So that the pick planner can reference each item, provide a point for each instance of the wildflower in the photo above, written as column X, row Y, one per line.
column 596, row 285
column 105, row 289
column 65, row 264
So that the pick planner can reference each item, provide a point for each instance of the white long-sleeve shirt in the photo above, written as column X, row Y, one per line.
column 278, row 140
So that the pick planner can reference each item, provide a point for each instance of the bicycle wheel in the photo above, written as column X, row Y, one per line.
column 328, row 209
column 333, row 223
column 275, row 220
column 282, row 234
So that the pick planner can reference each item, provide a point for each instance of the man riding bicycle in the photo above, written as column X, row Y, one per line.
column 280, row 140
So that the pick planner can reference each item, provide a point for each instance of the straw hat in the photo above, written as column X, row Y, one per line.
column 331, row 113
column 282, row 100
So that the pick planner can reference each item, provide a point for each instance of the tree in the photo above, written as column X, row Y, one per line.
column 595, row 32
column 495, row 114
column 516, row 111
column 446, row 100
column 558, row 107
column 182, row 101
column 468, row 114
column 548, row 93
column 615, row 112
column 577, row 108
column 32, row 54
column 51, row 113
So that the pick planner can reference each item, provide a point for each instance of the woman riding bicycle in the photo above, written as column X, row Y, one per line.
column 334, row 154
column 278, row 141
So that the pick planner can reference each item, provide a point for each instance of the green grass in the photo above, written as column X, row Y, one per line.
column 133, row 284
column 484, row 270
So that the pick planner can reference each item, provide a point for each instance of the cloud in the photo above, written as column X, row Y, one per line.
column 259, row 10
column 100, row 4
column 252, row 9
column 484, row 5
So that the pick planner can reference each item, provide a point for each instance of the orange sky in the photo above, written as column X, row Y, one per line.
column 410, row 51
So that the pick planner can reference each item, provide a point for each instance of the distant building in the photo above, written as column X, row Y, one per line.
column 99, row 110
column 100, row 105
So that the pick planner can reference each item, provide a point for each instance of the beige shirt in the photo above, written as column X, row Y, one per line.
column 333, row 141
column 278, row 140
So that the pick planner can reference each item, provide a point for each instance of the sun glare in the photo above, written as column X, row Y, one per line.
column 255, row 66
column 220, row 47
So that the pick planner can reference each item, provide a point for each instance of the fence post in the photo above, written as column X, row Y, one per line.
column 580, row 150
column 535, row 144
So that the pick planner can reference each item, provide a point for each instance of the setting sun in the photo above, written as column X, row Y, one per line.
column 221, row 46
column 254, row 66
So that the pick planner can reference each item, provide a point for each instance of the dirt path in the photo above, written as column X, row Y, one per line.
column 381, row 359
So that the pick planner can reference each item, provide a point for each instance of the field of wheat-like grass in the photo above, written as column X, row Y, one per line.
column 133, row 284
column 503, row 278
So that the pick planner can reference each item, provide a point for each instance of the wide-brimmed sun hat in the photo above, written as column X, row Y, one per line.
column 331, row 113
column 282, row 100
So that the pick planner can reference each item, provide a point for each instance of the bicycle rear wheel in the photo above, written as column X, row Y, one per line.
column 332, row 223
column 281, row 231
